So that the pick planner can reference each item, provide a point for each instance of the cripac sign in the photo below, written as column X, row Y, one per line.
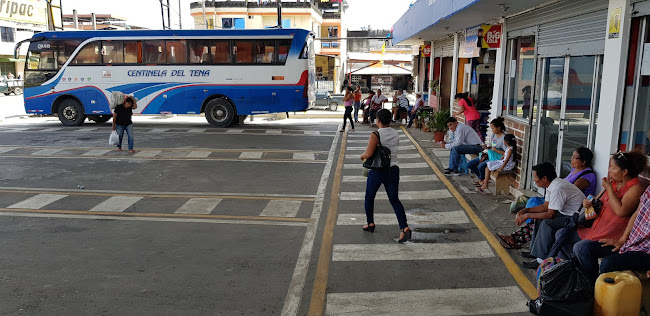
column 27, row 11
column 491, row 36
column 425, row 50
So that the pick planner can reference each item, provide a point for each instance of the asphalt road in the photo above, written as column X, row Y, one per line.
column 259, row 219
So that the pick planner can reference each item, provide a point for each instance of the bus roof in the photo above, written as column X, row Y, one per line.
column 170, row 33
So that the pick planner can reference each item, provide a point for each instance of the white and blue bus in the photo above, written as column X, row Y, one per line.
column 226, row 74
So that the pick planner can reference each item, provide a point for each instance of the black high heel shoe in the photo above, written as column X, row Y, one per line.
column 407, row 236
column 369, row 228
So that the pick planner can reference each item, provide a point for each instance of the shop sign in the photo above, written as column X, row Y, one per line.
column 491, row 36
column 468, row 48
column 425, row 50
column 26, row 11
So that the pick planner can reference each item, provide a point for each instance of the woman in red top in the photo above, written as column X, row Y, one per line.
column 622, row 192
column 472, row 117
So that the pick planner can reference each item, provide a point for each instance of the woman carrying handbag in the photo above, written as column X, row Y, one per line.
column 386, row 173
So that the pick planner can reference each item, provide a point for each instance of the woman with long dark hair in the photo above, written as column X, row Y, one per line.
column 348, row 99
column 467, row 107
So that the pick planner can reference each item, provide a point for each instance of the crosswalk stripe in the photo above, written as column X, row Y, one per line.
column 234, row 131
column 198, row 206
column 365, row 140
column 7, row 149
column 411, row 251
column 38, row 201
column 198, row 154
column 251, row 155
column 403, row 165
column 281, row 208
column 158, row 130
column 116, row 204
column 406, row 147
column 147, row 153
column 50, row 129
column 414, row 219
column 96, row 152
column 273, row 131
column 442, row 302
column 403, row 195
column 304, row 156
column 197, row 130
column 312, row 133
column 47, row 151
column 88, row 129
column 402, row 179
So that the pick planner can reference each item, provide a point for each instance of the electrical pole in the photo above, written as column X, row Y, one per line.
column 205, row 22
column 180, row 19
column 279, row 3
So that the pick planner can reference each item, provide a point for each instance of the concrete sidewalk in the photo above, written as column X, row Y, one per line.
column 494, row 210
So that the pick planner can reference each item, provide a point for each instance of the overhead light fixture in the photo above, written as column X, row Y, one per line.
column 504, row 6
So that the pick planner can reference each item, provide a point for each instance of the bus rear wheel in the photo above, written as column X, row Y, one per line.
column 220, row 113
column 71, row 113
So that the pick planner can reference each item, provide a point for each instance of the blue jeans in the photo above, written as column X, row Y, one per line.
column 389, row 177
column 357, row 105
column 129, row 132
column 454, row 156
column 587, row 253
column 412, row 117
column 477, row 168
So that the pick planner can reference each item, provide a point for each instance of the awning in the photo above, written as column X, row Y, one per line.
column 10, row 60
column 385, row 70
column 428, row 20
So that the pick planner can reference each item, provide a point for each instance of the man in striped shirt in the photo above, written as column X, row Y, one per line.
column 630, row 252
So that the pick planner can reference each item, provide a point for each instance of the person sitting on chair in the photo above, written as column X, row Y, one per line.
column 466, row 141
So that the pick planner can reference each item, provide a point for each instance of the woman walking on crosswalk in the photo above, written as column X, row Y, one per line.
column 389, row 177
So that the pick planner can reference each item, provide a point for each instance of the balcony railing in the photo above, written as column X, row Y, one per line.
column 331, row 15
column 254, row 4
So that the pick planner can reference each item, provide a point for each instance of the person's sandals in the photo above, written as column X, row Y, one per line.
column 508, row 245
column 483, row 191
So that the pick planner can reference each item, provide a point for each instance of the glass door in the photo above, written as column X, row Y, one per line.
column 569, row 98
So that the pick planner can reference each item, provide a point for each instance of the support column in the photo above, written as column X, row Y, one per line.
column 454, row 74
column 499, row 75
column 431, row 66
column 613, row 88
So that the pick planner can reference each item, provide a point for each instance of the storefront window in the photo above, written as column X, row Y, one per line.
column 521, row 73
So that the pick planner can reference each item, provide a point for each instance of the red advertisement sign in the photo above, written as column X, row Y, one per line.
column 425, row 50
column 491, row 36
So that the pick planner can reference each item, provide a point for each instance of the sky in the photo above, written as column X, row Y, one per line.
column 379, row 14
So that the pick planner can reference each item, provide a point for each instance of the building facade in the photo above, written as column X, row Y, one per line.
column 323, row 18
column 30, row 18
column 563, row 74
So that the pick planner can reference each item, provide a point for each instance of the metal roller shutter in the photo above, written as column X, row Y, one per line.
column 566, row 27
column 444, row 47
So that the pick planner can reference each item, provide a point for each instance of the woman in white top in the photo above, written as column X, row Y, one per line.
column 389, row 177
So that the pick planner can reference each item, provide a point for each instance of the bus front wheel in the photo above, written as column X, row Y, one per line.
column 71, row 113
column 220, row 113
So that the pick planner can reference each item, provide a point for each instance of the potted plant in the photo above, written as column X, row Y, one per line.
column 434, row 85
column 423, row 119
column 438, row 123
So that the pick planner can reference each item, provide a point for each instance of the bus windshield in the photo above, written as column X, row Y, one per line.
column 45, row 58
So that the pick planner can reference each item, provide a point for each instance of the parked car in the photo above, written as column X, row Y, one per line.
column 9, row 86
column 326, row 100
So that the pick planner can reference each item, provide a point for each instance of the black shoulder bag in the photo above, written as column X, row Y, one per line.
column 380, row 158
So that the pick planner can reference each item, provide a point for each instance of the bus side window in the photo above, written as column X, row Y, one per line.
column 220, row 51
column 154, row 52
column 131, row 53
column 283, row 51
column 176, row 52
column 88, row 55
column 112, row 52
column 265, row 52
column 199, row 53
column 245, row 51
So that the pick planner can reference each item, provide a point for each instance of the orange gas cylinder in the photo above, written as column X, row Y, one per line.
column 617, row 293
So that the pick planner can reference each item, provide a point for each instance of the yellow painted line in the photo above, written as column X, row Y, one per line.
column 510, row 264
column 178, row 149
column 131, row 157
column 164, row 215
column 232, row 197
column 318, row 294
